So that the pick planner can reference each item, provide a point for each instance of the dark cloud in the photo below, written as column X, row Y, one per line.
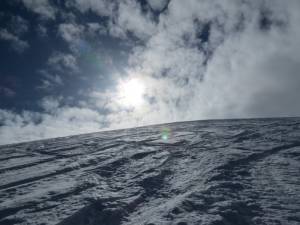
column 7, row 92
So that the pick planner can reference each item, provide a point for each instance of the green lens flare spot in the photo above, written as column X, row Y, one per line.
column 164, row 137
column 165, row 134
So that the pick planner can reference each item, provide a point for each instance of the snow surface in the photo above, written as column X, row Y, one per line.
column 207, row 172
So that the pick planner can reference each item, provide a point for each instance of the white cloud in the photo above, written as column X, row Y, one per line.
column 50, row 104
column 245, row 65
column 70, row 32
column 96, row 29
column 41, row 30
column 63, row 62
column 49, row 80
column 78, row 35
column 17, row 44
column 16, row 27
column 101, row 7
column 124, row 16
column 130, row 18
column 158, row 5
column 59, row 122
column 41, row 7
column 251, row 72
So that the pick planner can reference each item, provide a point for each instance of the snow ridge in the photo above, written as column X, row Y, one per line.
column 220, row 172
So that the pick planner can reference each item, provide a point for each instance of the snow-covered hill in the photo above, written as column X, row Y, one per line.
column 203, row 172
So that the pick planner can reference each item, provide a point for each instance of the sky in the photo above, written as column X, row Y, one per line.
column 77, row 66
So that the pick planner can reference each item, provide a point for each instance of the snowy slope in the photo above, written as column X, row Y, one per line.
column 205, row 172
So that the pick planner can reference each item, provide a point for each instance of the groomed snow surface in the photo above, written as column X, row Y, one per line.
column 204, row 172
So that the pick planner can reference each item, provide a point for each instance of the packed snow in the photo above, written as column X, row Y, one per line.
column 218, row 172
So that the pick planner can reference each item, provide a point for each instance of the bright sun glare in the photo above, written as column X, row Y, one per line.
column 132, row 92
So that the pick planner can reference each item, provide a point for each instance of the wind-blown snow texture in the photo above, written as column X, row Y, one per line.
column 207, row 172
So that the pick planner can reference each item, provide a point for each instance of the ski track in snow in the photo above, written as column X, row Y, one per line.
column 208, row 173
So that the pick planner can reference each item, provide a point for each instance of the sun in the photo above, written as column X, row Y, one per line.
column 131, row 92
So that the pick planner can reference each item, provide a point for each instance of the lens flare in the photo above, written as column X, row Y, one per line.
column 165, row 134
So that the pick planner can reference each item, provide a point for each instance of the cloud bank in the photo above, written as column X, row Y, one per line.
column 198, row 59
